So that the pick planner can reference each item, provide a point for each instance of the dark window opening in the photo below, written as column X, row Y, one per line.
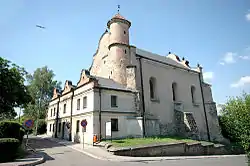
column 174, row 88
column 54, row 111
column 51, row 112
column 64, row 108
column 193, row 94
column 78, row 104
column 77, row 125
column 53, row 127
column 113, row 101
column 50, row 125
column 125, row 51
column 114, row 124
column 124, row 32
column 84, row 102
column 59, row 128
column 152, row 87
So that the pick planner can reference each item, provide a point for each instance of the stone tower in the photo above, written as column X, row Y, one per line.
column 119, row 49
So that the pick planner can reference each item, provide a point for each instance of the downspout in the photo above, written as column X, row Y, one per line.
column 143, row 102
column 100, row 115
column 204, row 108
column 71, row 114
column 57, row 116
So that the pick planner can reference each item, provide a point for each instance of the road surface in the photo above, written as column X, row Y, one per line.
column 59, row 155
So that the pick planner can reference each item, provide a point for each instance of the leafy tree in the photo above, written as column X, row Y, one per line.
column 40, row 86
column 235, row 120
column 13, row 91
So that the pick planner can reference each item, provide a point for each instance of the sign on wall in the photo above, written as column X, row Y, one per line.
column 108, row 129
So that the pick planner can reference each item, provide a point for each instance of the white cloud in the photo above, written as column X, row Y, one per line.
column 242, row 82
column 228, row 58
column 248, row 16
column 244, row 57
column 208, row 76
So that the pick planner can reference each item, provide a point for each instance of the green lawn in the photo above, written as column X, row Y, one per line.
column 146, row 141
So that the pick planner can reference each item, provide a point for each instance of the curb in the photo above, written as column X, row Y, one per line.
column 152, row 159
column 39, row 161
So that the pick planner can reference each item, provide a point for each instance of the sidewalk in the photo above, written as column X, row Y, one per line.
column 102, row 154
column 31, row 159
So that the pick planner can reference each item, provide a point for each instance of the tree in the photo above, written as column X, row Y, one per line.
column 235, row 120
column 13, row 91
column 40, row 86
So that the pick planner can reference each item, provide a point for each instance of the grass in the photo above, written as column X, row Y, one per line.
column 147, row 141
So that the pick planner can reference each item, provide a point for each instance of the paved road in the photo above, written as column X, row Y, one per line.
column 59, row 155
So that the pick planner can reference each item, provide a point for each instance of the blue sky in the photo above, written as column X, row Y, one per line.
column 214, row 33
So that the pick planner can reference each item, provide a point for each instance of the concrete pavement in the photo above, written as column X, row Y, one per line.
column 58, row 154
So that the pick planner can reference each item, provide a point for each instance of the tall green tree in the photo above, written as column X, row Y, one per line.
column 13, row 92
column 40, row 85
column 235, row 120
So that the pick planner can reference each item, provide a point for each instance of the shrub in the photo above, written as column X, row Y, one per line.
column 8, row 149
column 41, row 127
column 11, row 129
column 235, row 122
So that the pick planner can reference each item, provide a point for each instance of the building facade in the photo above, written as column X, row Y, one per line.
column 139, row 92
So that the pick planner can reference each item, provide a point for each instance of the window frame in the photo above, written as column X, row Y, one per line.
column 84, row 102
column 113, row 105
column 64, row 108
column 114, row 124
column 77, row 126
column 78, row 104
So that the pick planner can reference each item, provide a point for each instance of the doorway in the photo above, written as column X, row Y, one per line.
column 63, row 129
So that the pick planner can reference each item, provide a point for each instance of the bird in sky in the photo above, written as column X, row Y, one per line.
column 39, row 26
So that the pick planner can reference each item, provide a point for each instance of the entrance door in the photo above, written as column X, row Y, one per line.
column 63, row 130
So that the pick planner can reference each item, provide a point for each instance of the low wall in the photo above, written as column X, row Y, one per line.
column 171, row 149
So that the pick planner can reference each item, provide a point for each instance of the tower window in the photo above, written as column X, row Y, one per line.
column 152, row 87
column 174, row 91
column 125, row 51
column 111, row 72
column 124, row 32
column 104, row 62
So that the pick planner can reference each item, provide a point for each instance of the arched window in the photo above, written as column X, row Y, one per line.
column 152, row 87
column 174, row 90
column 193, row 94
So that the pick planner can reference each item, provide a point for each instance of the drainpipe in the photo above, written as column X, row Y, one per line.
column 71, row 114
column 204, row 108
column 100, row 115
column 57, row 116
column 143, row 102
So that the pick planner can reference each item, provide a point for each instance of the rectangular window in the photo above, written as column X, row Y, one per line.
column 84, row 102
column 51, row 112
column 53, row 127
column 113, row 101
column 54, row 111
column 114, row 124
column 50, row 125
column 77, row 125
column 59, row 128
column 64, row 108
column 78, row 104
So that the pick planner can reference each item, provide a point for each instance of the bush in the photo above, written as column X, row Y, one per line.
column 11, row 129
column 42, row 127
column 8, row 149
column 235, row 122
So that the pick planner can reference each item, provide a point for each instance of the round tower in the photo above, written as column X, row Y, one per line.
column 119, row 48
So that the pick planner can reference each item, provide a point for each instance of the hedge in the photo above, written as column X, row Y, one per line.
column 11, row 129
column 8, row 149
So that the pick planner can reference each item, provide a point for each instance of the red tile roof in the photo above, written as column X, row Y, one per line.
column 119, row 16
